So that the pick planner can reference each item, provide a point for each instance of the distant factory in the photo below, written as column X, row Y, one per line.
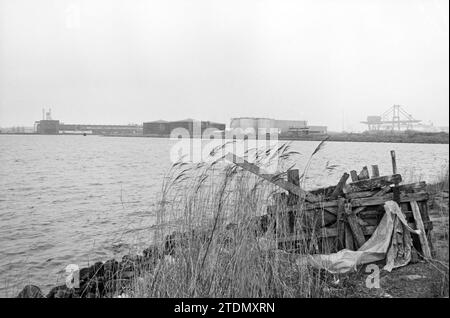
column 288, row 128
column 193, row 127
column 49, row 126
column 187, row 127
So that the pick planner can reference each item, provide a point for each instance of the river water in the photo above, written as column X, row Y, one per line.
column 76, row 199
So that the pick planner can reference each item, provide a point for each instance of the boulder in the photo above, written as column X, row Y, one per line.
column 31, row 291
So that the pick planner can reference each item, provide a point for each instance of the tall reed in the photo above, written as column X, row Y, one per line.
column 221, row 248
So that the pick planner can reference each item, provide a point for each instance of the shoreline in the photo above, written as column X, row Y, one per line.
column 120, row 274
column 404, row 138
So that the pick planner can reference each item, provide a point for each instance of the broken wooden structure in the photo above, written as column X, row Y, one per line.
column 345, row 215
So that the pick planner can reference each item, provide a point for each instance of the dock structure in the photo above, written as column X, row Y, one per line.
column 394, row 119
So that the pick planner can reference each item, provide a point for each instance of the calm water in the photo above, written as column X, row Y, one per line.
column 75, row 199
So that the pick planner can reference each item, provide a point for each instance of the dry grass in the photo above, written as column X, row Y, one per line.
column 231, row 256
column 221, row 250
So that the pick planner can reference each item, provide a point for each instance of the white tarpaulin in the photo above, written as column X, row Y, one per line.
column 391, row 240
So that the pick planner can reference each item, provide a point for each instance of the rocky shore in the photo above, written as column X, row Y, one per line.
column 114, row 278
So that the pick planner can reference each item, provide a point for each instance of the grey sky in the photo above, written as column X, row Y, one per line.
column 110, row 61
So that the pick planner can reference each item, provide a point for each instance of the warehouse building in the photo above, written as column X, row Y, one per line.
column 47, row 127
column 284, row 127
column 194, row 128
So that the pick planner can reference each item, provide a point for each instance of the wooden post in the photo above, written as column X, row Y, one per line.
column 364, row 174
column 349, row 241
column 394, row 162
column 354, row 225
column 395, row 190
column 294, row 178
column 375, row 171
column 340, row 223
column 340, row 186
column 419, row 225
column 354, row 175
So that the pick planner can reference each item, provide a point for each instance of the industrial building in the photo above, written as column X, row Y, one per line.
column 164, row 128
column 49, row 126
column 54, row 127
column 284, row 127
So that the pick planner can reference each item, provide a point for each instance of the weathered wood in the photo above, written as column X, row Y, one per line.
column 371, row 184
column 413, row 187
column 241, row 162
column 420, row 226
column 370, row 201
column 325, row 219
column 361, row 194
column 323, row 192
column 294, row 178
column 354, row 175
column 349, row 240
column 338, row 190
column 383, row 191
column 394, row 162
column 406, row 188
column 380, row 200
column 341, row 223
column 364, row 174
column 358, row 233
column 332, row 232
column 375, row 171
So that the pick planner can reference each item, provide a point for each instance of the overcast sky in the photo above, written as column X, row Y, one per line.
column 329, row 62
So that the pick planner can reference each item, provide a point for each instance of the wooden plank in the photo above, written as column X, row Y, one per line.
column 354, row 175
column 383, row 191
column 380, row 200
column 361, row 194
column 374, row 200
column 394, row 162
column 364, row 174
column 413, row 187
column 325, row 192
column 420, row 226
column 332, row 232
column 358, row 233
column 338, row 191
column 406, row 188
column 371, row 184
column 375, row 171
column 271, row 178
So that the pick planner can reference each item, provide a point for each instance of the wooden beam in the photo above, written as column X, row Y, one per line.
column 349, row 240
column 372, row 184
column 339, row 187
column 332, row 232
column 241, row 162
column 293, row 177
column 420, row 226
column 379, row 200
column 358, row 233
column 341, row 223
column 374, row 200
